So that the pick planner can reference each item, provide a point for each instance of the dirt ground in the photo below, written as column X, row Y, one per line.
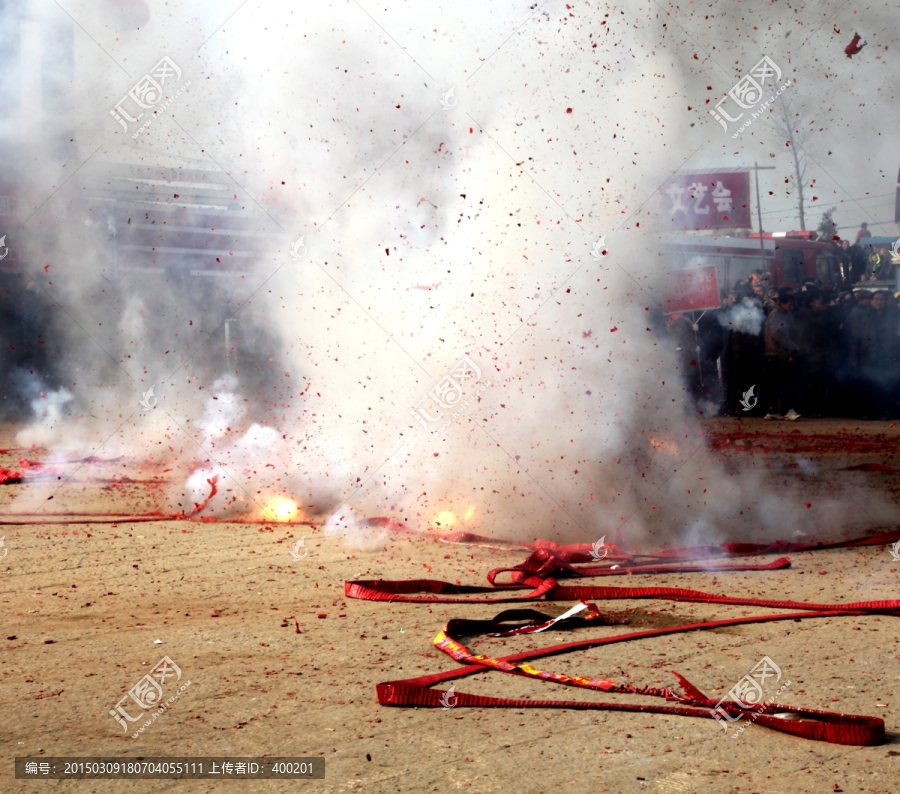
column 222, row 598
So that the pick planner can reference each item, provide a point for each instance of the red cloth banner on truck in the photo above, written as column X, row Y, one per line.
column 692, row 289
column 713, row 200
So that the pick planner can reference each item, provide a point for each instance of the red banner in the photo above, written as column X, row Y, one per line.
column 719, row 200
column 692, row 289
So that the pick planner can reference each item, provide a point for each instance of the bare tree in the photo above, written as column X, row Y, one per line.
column 796, row 127
column 827, row 227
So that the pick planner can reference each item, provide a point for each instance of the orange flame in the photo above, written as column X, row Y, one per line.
column 446, row 519
column 281, row 508
column 664, row 446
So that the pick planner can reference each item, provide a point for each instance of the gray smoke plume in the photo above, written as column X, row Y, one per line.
column 432, row 229
column 745, row 317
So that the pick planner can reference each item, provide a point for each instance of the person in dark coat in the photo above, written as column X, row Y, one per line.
column 857, row 262
column 844, row 263
column 782, row 353
column 684, row 341
column 743, row 363
column 816, row 333
column 841, row 371
column 882, row 374
column 860, row 328
column 894, row 334
column 877, row 263
column 699, row 345
column 862, row 344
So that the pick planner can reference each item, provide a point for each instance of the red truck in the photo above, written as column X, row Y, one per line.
column 703, row 269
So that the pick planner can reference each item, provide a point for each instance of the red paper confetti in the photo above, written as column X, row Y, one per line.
column 9, row 477
column 854, row 47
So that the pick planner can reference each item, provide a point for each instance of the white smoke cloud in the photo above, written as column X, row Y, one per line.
column 431, row 234
column 49, row 415
column 745, row 317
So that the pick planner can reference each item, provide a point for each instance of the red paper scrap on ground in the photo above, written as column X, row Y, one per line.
column 9, row 477
column 550, row 562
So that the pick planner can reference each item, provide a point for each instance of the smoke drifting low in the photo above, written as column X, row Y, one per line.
column 430, row 233
column 744, row 317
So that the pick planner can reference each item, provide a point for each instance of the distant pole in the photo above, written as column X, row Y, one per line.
column 762, row 247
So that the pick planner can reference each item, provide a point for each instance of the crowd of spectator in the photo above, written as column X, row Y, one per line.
column 812, row 352
column 860, row 261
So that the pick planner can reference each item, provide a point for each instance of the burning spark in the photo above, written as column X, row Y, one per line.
column 446, row 518
column 281, row 508
column 663, row 446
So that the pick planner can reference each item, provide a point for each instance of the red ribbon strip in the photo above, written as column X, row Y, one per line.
column 826, row 726
column 534, row 573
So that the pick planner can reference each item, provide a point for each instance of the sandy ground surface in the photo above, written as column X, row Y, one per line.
column 103, row 594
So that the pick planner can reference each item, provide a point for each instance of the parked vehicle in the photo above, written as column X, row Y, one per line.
column 703, row 269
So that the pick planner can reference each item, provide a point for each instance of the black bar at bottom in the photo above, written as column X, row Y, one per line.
column 164, row 768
